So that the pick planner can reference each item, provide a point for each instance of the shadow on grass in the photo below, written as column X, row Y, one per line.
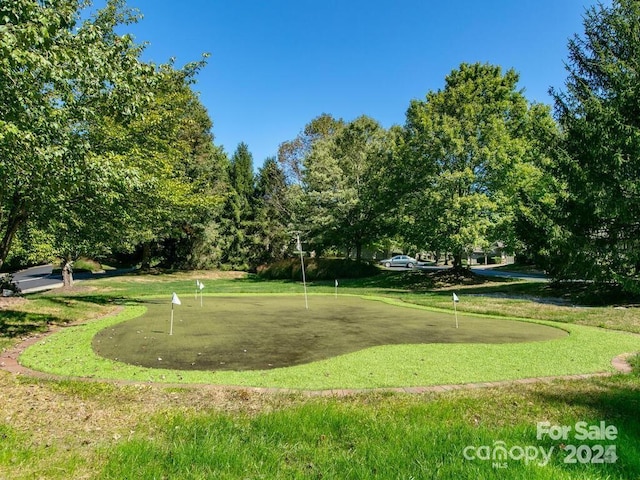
column 18, row 324
column 15, row 322
column 614, row 400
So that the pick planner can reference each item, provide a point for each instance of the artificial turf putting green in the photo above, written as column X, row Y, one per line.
column 264, row 332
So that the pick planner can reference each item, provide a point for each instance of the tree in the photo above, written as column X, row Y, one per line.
column 272, row 212
column 539, row 191
column 600, row 117
column 239, row 208
column 342, row 180
column 172, row 148
column 461, row 160
column 54, row 71
column 291, row 158
column 292, row 153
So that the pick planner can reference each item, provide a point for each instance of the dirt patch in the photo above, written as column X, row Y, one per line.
column 144, row 277
column 84, row 415
column 461, row 276
column 75, row 290
column 11, row 302
column 560, row 302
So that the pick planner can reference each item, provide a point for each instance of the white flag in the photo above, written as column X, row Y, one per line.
column 298, row 246
column 201, row 285
column 336, row 282
column 455, row 298
column 197, row 283
column 175, row 300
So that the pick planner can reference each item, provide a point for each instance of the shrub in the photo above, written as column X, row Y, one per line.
column 316, row 269
column 7, row 283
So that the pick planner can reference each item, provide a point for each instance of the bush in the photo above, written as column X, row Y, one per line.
column 316, row 269
column 7, row 283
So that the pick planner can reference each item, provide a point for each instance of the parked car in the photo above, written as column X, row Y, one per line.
column 400, row 261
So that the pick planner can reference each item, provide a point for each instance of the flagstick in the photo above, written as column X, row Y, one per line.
column 336, row 288
column 304, row 278
column 456, row 312
column 304, row 282
column 171, row 328
column 200, row 297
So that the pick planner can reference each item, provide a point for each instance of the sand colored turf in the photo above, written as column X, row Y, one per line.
column 265, row 332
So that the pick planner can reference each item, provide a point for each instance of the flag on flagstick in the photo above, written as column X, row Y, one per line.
column 197, row 288
column 336, row 288
column 455, row 300
column 201, row 286
column 174, row 301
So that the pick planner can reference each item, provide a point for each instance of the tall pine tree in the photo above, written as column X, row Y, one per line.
column 239, row 209
column 600, row 116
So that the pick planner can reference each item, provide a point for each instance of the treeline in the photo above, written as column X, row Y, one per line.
column 102, row 154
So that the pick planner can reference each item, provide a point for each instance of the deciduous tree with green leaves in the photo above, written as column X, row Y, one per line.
column 461, row 161
column 55, row 70
column 345, row 205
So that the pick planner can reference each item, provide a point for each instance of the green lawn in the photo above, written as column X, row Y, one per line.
column 75, row 429
column 249, row 332
column 584, row 350
column 382, row 437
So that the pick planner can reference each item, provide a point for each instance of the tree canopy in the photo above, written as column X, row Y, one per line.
column 599, row 113
column 57, row 75
column 462, row 159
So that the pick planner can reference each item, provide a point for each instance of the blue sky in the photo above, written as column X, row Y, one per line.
column 277, row 64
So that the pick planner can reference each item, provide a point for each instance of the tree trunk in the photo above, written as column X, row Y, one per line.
column 67, row 273
column 15, row 220
column 457, row 261
column 146, row 256
column 358, row 252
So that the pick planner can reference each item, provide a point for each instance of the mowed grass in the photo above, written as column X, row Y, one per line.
column 585, row 350
column 248, row 332
column 69, row 429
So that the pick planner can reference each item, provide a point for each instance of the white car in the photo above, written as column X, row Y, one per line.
column 400, row 261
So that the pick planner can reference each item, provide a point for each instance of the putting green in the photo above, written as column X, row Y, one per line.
column 264, row 332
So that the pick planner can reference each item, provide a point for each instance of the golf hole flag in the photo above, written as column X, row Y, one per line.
column 200, row 286
column 174, row 301
column 455, row 300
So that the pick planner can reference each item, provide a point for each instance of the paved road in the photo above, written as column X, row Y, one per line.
column 40, row 278
column 36, row 279
column 487, row 272
column 490, row 272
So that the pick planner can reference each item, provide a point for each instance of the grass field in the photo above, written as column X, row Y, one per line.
column 246, row 332
column 70, row 429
